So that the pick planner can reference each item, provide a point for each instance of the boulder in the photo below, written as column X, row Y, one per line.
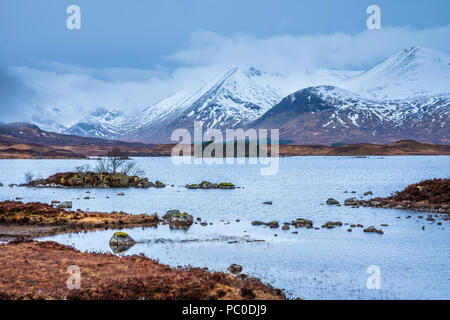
column 65, row 205
column 302, row 223
column 177, row 219
column 331, row 224
column 285, row 227
column 368, row 193
column 267, row 202
column 235, row 268
column 373, row 229
column 332, row 201
column 121, row 242
column 159, row 184
column 273, row 224
column 258, row 223
column 351, row 202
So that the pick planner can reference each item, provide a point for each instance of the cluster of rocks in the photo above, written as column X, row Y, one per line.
column 331, row 224
column 373, row 229
column 302, row 223
column 177, row 219
column 210, row 185
column 272, row 224
column 298, row 223
column 62, row 205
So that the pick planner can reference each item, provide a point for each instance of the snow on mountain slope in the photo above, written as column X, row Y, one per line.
column 410, row 72
column 101, row 123
column 327, row 114
column 234, row 100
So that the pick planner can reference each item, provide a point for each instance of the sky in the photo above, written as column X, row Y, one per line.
column 129, row 54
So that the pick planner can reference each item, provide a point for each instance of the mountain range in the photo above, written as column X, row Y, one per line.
column 406, row 96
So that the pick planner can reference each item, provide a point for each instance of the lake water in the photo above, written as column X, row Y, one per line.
column 313, row 264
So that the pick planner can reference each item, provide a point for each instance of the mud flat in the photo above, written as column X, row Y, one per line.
column 38, row 270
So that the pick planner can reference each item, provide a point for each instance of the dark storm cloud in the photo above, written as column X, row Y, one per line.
column 14, row 95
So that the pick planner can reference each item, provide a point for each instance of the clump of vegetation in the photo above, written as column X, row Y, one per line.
column 435, row 191
column 209, row 185
column 114, row 171
column 121, row 234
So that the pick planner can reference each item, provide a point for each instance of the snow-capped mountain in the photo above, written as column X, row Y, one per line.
column 408, row 73
column 101, row 123
column 405, row 96
column 234, row 100
column 327, row 114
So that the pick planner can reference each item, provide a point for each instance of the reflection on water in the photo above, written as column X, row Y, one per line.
column 313, row 264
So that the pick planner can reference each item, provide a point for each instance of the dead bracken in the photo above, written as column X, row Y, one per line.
column 37, row 270
column 34, row 219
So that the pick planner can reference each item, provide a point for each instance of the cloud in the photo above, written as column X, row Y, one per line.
column 67, row 93
column 14, row 96
column 335, row 51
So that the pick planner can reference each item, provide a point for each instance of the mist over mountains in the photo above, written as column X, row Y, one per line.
column 406, row 96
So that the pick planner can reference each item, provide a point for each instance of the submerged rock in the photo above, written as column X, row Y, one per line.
column 271, row 224
column 121, row 242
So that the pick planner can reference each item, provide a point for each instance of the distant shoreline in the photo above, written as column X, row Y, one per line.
column 25, row 141
column 400, row 148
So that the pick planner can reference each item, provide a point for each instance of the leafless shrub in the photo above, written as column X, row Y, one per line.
column 28, row 177
column 117, row 161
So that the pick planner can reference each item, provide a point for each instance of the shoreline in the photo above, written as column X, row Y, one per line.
column 94, row 149
column 36, row 219
column 41, row 265
column 38, row 270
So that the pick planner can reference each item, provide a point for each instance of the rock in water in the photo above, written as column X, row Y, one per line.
column 177, row 219
column 302, row 223
column 65, row 205
column 373, row 229
column 351, row 202
column 235, row 268
column 332, row 201
column 121, row 242
column 267, row 202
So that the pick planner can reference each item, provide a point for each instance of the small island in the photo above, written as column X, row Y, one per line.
column 210, row 185
column 428, row 195
column 117, row 170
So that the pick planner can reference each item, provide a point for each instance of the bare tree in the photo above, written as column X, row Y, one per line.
column 116, row 159
column 28, row 177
